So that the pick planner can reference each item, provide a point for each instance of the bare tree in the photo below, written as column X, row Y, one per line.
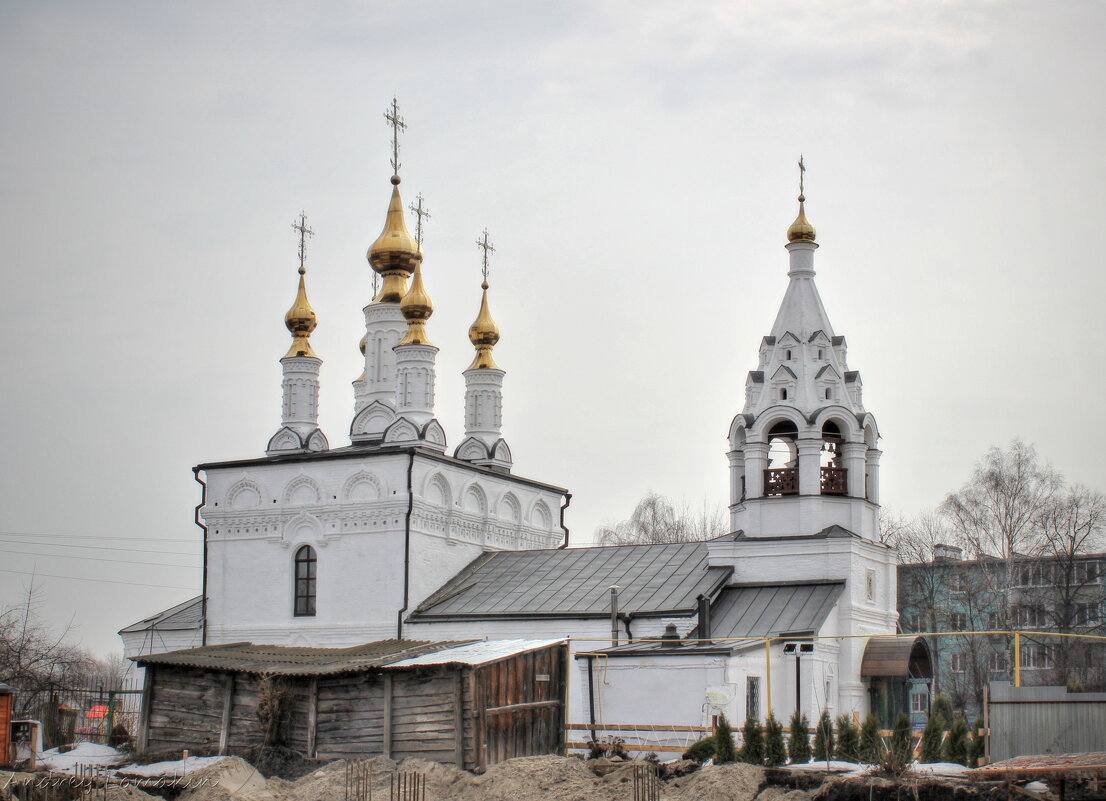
column 656, row 520
column 1062, row 588
column 34, row 658
column 997, row 511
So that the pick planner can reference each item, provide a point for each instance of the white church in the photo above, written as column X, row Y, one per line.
column 399, row 535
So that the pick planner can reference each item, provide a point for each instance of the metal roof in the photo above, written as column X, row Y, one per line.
column 176, row 618
column 246, row 657
column 575, row 582
column 907, row 657
column 768, row 610
column 477, row 653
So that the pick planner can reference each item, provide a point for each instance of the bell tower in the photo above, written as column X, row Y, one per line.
column 803, row 453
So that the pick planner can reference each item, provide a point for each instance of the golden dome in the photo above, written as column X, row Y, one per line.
column 484, row 334
column 301, row 321
column 417, row 308
column 801, row 229
column 394, row 253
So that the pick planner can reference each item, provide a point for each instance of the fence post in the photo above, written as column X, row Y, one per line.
column 1017, row 659
column 110, row 717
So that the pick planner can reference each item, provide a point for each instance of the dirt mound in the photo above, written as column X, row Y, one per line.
column 736, row 782
column 226, row 779
column 126, row 792
column 782, row 794
column 548, row 778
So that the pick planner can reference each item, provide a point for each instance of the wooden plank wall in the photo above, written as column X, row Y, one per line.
column 424, row 711
column 444, row 713
column 523, row 705
column 185, row 710
column 350, row 716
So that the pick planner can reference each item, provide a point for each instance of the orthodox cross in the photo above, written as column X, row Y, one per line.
column 397, row 123
column 802, row 173
column 421, row 211
column 304, row 232
column 488, row 248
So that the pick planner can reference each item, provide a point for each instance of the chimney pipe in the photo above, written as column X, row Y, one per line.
column 614, row 615
column 704, row 617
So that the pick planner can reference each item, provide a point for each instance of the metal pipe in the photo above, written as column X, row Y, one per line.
column 203, row 586
column 407, row 546
column 1017, row 659
column 767, row 677
column 564, row 528
column 614, row 615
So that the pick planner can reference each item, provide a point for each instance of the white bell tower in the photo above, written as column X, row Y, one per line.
column 803, row 452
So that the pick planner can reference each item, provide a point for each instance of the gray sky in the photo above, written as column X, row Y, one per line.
column 635, row 165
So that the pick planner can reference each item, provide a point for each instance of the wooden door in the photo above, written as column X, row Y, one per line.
column 525, row 702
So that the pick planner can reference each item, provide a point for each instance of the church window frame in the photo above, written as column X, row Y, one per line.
column 305, row 581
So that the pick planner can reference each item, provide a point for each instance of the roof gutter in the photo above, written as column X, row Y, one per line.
column 407, row 545
column 203, row 586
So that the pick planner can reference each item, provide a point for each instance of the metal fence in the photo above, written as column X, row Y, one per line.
column 1043, row 720
column 109, row 715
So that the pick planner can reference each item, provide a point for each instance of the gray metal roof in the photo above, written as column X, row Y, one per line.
column 764, row 610
column 246, row 657
column 477, row 653
column 575, row 582
column 176, row 618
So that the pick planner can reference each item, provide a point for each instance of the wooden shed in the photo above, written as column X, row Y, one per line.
column 471, row 704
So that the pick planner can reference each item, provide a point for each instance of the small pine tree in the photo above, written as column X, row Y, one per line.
column 723, row 742
column 871, row 744
column 775, row 752
column 902, row 740
column 848, row 739
column 798, row 744
column 752, row 750
column 975, row 744
column 941, row 708
column 956, row 746
column 931, row 736
column 823, row 738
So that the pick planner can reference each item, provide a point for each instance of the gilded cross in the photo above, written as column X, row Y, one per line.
column 802, row 173
column 421, row 211
column 488, row 248
column 304, row 231
column 397, row 123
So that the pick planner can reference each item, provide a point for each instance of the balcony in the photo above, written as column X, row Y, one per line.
column 835, row 481
column 781, row 481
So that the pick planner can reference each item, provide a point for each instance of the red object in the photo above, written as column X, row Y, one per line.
column 97, row 712
column 5, row 724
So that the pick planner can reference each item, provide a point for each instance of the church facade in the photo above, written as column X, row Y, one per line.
column 400, row 535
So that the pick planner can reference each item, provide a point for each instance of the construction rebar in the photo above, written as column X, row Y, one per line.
column 408, row 786
column 647, row 784
column 359, row 774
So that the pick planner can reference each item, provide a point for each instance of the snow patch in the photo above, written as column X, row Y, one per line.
column 80, row 754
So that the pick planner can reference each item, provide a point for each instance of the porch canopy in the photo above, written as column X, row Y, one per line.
column 898, row 657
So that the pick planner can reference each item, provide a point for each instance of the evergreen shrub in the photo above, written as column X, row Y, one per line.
column 775, row 752
column 823, row 738
column 798, row 744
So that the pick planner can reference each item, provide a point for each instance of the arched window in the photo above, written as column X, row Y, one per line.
column 305, row 581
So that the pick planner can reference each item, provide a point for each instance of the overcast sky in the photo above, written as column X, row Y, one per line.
column 634, row 163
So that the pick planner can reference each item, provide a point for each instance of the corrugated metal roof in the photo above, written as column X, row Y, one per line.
column 764, row 610
column 575, row 582
column 176, row 618
column 246, row 657
column 477, row 653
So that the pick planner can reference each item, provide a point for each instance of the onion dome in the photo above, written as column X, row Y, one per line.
column 301, row 321
column 394, row 253
column 801, row 230
column 417, row 308
column 484, row 334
